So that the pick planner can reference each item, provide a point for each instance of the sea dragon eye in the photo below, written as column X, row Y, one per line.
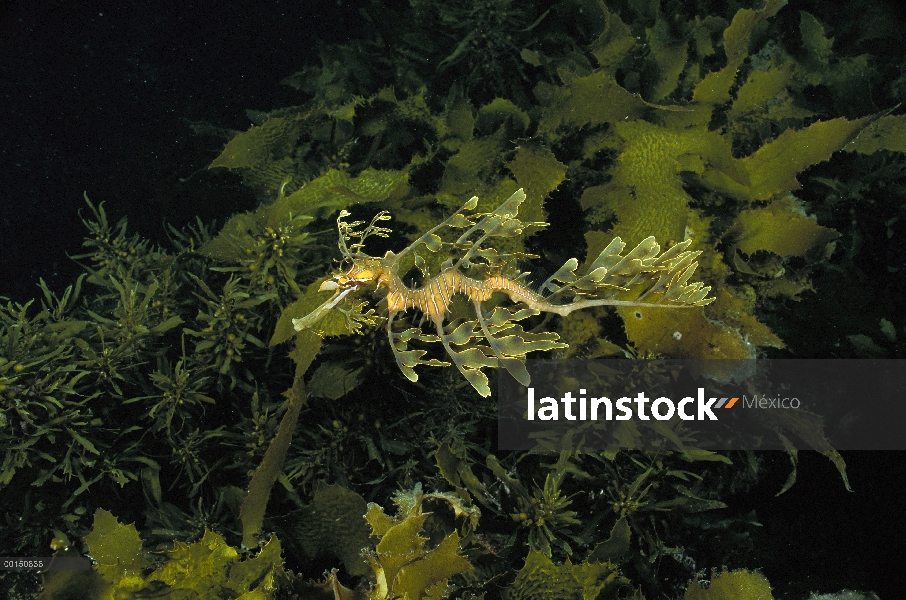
column 361, row 275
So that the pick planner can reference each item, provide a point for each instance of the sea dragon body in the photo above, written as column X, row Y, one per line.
column 494, row 336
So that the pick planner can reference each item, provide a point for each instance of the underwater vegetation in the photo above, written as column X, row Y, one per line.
column 631, row 179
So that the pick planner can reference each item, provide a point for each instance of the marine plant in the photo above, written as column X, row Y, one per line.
column 123, row 568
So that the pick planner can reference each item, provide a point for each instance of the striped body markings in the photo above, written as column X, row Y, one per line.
column 434, row 297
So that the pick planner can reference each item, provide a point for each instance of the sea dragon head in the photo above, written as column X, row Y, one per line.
column 363, row 271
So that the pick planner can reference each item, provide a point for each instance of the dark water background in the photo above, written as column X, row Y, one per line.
column 95, row 96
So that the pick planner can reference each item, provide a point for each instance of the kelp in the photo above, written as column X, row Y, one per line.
column 540, row 578
column 332, row 525
column 255, row 503
column 661, row 140
column 731, row 585
column 403, row 566
column 648, row 190
column 125, row 569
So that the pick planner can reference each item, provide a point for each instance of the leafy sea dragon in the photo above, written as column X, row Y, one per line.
column 477, row 271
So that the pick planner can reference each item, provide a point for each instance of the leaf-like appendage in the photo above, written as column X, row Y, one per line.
column 659, row 279
column 511, row 343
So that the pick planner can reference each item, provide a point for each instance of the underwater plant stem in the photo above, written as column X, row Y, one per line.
column 251, row 514
column 314, row 316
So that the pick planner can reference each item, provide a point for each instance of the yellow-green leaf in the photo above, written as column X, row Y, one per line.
column 782, row 227
column 773, row 168
column 887, row 133
column 110, row 542
column 436, row 566
column 736, row 585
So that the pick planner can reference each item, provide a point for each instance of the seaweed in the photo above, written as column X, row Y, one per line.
column 189, row 570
